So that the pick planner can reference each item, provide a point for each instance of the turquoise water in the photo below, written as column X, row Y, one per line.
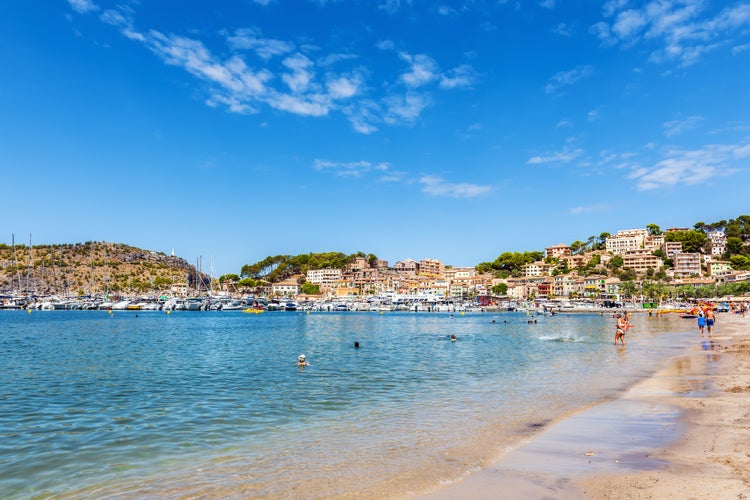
column 213, row 404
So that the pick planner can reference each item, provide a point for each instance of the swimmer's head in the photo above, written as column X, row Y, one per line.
column 301, row 358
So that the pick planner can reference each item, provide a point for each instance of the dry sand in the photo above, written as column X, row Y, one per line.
column 683, row 434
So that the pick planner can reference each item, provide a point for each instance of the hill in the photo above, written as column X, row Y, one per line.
column 91, row 268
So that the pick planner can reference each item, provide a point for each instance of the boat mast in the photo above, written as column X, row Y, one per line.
column 28, row 267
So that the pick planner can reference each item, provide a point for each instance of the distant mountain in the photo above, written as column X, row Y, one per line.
column 92, row 267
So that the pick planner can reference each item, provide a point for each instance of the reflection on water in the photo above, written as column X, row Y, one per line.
column 176, row 405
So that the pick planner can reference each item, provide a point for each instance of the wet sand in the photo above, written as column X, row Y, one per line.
column 684, row 433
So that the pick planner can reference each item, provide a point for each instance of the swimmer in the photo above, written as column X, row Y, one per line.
column 302, row 361
column 453, row 337
column 356, row 345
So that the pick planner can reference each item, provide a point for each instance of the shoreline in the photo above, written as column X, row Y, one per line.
column 682, row 433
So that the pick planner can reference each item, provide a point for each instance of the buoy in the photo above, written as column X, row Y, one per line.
column 169, row 312
column 381, row 313
column 28, row 311
column 110, row 311
column 308, row 312
column 462, row 313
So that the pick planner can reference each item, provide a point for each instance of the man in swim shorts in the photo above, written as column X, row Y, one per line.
column 710, row 320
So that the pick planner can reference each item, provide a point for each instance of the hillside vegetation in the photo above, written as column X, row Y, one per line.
column 91, row 267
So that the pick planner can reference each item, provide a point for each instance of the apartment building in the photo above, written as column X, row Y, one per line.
column 640, row 262
column 672, row 248
column 558, row 251
column 323, row 276
column 406, row 266
column 627, row 240
column 687, row 264
column 431, row 267
column 718, row 268
column 718, row 242
column 538, row 268
column 653, row 242
column 286, row 288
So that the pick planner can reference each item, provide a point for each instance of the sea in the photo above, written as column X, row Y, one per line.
column 213, row 405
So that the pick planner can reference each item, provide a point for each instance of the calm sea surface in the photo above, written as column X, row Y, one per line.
column 212, row 404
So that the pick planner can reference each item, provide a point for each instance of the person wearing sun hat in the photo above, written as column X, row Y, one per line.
column 302, row 360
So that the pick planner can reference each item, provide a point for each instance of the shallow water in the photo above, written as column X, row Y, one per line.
column 213, row 404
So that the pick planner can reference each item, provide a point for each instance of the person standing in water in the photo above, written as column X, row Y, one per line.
column 710, row 320
column 620, row 326
column 701, row 323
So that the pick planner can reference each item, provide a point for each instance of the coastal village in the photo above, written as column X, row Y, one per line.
column 630, row 266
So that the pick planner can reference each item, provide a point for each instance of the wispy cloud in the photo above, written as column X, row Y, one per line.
column 564, row 123
column 590, row 209
column 422, row 70
column 677, row 127
column 563, row 29
column 437, row 186
column 462, row 76
column 678, row 31
column 350, row 169
column 83, row 6
column 566, row 155
column 691, row 167
column 260, row 71
column 566, row 78
column 252, row 39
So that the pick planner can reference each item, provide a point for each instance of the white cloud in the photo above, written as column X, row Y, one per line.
column 422, row 70
column 679, row 31
column 691, row 167
column 592, row 115
column 446, row 10
column 251, row 39
column 590, row 209
column 677, row 127
column 350, row 169
column 547, row 4
column 404, row 109
column 567, row 155
column 298, row 80
column 287, row 78
column 564, row 123
column 459, row 77
column 436, row 186
column 565, row 78
column 83, row 6
column 563, row 29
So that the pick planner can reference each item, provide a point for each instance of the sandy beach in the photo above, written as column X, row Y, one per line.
column 683, row 433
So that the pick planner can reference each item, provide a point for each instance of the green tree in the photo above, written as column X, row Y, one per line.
column 734, row 246
column 653, row 229
column 692, row 240
column 577, row 247
column 310, row 289
column 229, row 277
column 628, row 288
column 616, row 262
column 500, row 289
column 740, row 262
column 627, row 274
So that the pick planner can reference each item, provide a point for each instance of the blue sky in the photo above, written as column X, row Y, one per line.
column 452, row 130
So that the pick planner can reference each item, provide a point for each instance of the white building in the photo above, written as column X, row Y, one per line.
column 323, row 276
column 718, row 242
column 627, row 240
column 687, row 264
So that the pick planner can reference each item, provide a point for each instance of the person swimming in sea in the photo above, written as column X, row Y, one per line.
column 453, row 337
column 302, row 360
